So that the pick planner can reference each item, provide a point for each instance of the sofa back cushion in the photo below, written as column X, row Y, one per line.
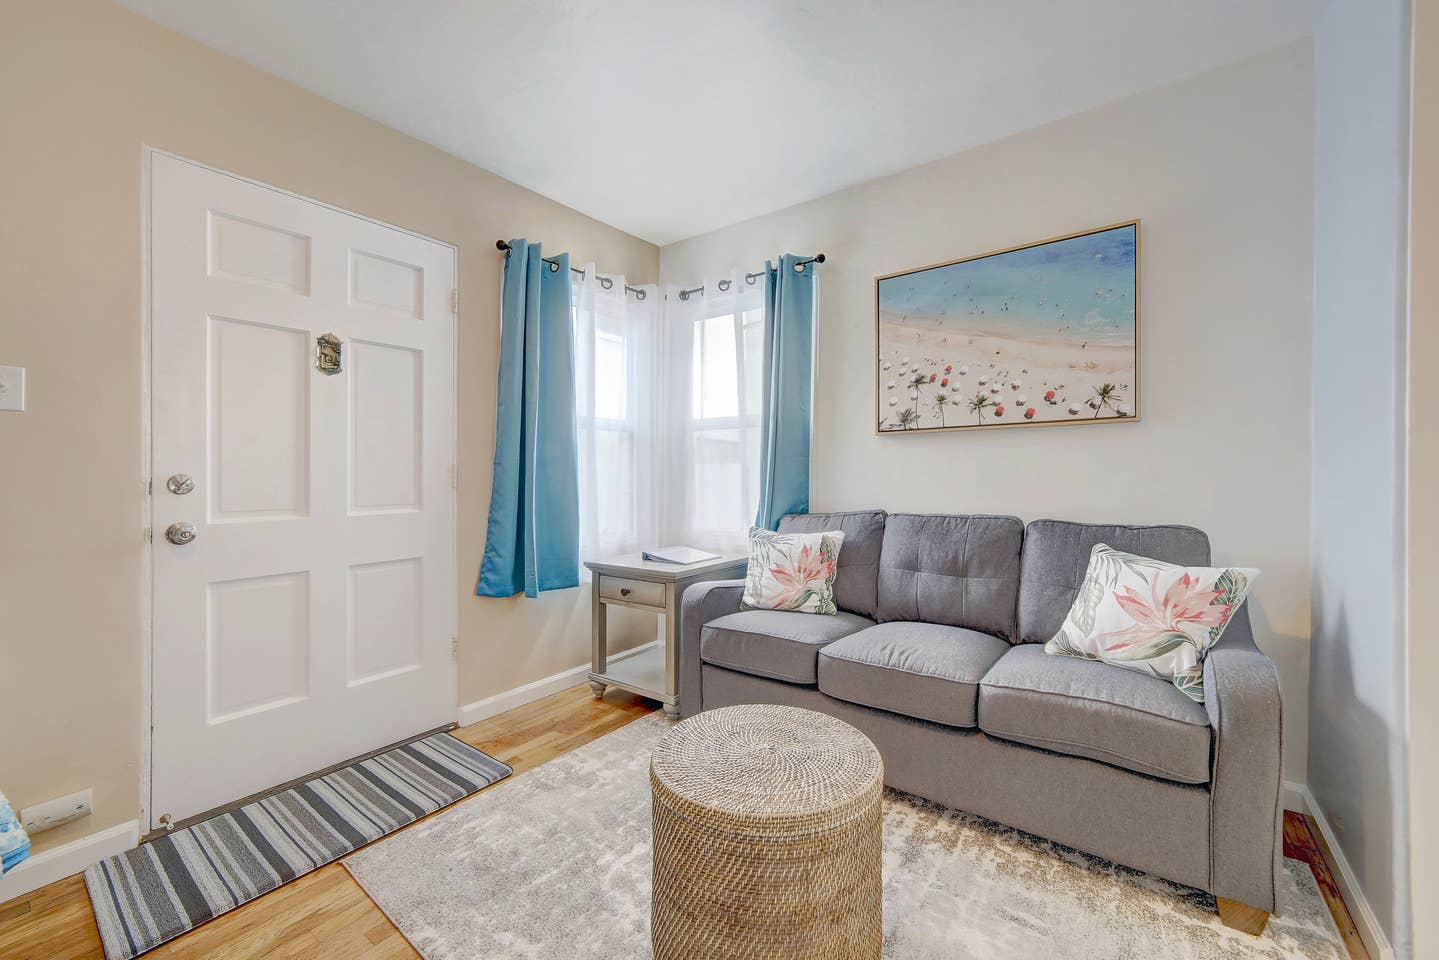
column 957, row 570
column 855, row 585
column 1056, row 555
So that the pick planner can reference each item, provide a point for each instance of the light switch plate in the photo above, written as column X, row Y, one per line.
column 12, row 388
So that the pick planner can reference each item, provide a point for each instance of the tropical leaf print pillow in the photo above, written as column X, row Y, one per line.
column 1151, row 616
column 792, row 571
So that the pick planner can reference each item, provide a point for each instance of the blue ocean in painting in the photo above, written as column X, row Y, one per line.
column 1079, row 289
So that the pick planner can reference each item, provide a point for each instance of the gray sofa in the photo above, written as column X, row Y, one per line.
column 937, row 654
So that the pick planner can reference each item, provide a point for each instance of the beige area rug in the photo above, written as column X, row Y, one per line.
column 555, row 863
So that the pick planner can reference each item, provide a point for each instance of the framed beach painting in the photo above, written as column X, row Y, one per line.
column 1038, row 335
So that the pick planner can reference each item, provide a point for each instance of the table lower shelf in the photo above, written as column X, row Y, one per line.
column 644, row 674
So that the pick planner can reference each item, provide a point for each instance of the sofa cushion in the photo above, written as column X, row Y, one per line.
column 1085, row 708
column 857, row 583
column 962, row 571
column 1056, row 556
column 774, row 643
column 924, row 670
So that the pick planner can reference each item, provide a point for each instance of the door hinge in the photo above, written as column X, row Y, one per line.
column 454, row 648
column 455, row 302
column 454, row 476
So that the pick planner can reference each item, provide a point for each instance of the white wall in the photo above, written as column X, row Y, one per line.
column 1219, row 167
column 1357, row 747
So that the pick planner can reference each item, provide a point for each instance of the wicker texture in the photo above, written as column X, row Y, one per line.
column 767, row 838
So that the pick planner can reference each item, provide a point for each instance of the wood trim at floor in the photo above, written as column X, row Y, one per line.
column 1302, row 842
column 326, row 914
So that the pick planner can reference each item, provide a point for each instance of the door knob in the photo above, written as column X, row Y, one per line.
column 180, row 533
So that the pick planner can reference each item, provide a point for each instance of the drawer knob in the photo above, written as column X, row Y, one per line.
column 624, row 591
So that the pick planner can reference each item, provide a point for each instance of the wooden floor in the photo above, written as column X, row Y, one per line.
column 326, row 914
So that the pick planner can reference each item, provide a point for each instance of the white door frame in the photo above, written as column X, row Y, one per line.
column 147, row 549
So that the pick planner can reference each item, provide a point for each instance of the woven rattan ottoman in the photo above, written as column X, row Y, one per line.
column 767, row 838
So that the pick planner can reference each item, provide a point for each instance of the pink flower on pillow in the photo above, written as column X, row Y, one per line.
column 1185, row 606
column 809, row 571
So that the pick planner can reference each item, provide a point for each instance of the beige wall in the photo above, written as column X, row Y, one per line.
column 1423, row 538
column 83, row 85
column 1220, row 169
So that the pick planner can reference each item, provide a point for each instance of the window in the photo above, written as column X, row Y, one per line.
column 616, row 367
column 715, row 353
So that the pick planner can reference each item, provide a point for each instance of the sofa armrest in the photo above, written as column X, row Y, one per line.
column 1241, row 696
column 702, row 602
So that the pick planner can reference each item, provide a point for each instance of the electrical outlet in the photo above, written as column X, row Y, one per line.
column 42, row 816
column 12, row 388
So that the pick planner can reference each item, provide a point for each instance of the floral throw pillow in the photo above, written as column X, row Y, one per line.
column 1154, row 617
column 792, row 571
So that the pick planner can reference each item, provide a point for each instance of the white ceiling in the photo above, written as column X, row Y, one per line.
column 671, row 118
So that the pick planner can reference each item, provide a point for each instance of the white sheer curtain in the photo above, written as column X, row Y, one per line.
column 617, row 408
column 713, row 356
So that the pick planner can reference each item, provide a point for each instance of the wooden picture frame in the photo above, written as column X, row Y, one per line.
column 1037, row 335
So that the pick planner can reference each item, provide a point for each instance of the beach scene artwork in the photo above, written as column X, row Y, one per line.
column 1039, row 335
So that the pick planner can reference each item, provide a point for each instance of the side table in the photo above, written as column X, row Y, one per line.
column 632, row 581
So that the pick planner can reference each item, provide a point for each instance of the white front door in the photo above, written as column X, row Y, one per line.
column 310, row 618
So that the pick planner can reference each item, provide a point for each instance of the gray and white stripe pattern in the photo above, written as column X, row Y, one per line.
column 159, row 890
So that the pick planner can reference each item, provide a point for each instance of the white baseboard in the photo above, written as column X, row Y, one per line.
column 1364, row 919
column 68, row 858
column 536, row 690
column 1296, row 797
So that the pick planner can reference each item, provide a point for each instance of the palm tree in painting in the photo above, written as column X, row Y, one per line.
column 980, row 402
column 908, row 419
column 918, row 381
column 1104, row 397
column 941, row 400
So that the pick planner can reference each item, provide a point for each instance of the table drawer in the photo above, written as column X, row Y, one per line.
column 632, row 591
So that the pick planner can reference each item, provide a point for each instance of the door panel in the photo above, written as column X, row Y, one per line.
column 310, row 618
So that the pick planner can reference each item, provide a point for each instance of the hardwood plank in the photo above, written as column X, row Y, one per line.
column 324, row 914
column 1303, row 841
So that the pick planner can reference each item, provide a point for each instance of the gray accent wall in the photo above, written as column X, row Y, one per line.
column 1357, row 685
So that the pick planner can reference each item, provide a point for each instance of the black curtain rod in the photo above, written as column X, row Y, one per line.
column 606, row 282
column 750, row 278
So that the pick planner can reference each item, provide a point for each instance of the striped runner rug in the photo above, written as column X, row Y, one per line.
column 157, row 891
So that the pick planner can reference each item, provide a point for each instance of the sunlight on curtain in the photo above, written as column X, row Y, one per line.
column 713, row 359
column 617, row 370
